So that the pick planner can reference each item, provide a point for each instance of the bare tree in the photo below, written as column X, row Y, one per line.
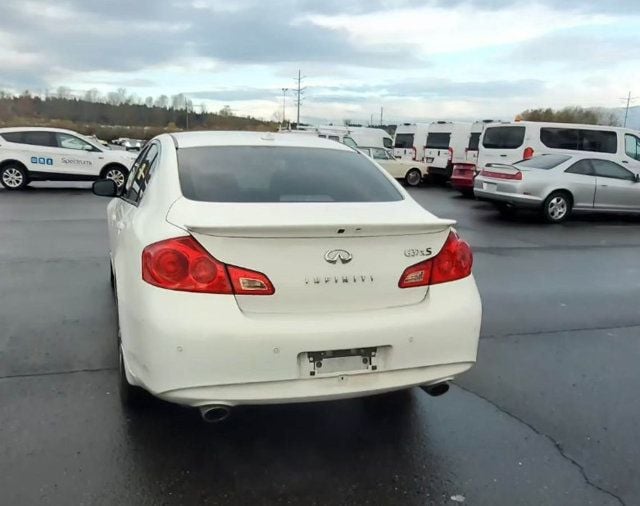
column 63, row 92
column 225, row 111
column 162, row 101
column 92, row 95
column 148, row 101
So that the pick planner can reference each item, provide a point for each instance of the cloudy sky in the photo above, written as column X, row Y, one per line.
column 438, row 59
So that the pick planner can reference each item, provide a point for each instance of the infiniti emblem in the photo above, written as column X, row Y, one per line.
column 338, row 254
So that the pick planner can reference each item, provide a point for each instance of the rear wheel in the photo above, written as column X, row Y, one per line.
column 413, row 177
column 117, row 174
column 14, row 177
column 556, row 207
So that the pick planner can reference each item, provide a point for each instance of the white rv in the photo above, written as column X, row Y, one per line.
column 361, row 136
column 511, row 142
column 446, row 145
column 409, row 141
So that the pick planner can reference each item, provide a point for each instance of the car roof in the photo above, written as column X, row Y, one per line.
column 37, row 129
column 551, row 124
column 234, row 138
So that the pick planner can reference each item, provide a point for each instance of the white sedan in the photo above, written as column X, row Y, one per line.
column 411, row 171
column 255, row 268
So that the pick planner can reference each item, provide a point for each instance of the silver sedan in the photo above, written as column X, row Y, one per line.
column 560, row 184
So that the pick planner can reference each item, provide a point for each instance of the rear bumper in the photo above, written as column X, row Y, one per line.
column 462, row 183
column 440, row 171
column 516, row 200
column 198, row 349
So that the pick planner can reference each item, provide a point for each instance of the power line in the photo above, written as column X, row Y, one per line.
column 629, row 100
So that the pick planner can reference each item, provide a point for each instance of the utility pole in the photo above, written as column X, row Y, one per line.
column 299, row 90
column 284, row 95
column 629, row 99
column 381, row 110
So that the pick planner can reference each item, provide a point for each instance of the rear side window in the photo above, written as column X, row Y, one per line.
column 281, row 174
column 544, row 162
column 404, row 141
column 438, row 140
column 474, row 141
column 582, row 167
column 504, row 137
column 605, row 168
column 39, row 139
column 576, row 139
column 12, row 137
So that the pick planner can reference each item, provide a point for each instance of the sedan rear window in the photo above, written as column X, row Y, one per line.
column 504, row 137
column 544, row 162
column 281, row 174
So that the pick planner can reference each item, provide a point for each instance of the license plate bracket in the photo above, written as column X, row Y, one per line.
column 341, row 361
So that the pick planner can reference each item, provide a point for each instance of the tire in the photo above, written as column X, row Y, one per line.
column 557, row 207
column 14, row 177
column 116, row 173
column 413, row 177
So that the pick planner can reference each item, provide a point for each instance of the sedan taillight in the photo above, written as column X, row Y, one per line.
column 183, row 264
column 453, row 262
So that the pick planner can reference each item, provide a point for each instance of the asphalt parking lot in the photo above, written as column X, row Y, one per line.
column 550, row 414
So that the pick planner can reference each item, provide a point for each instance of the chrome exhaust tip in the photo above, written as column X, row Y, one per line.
column 437, row 389
column 215, row 413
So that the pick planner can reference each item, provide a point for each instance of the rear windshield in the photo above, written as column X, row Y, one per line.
column 281, row 174
column 600, row 141
column 404, row 141
column 504, row 137
column 438, row 140
column 544, row 162
column 474, row 141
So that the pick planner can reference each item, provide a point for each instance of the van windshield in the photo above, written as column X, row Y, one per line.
column 503, row 137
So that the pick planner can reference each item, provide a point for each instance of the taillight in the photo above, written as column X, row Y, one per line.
column 453, row 262
column 516, row 176
column 450, row 154
column 528, row 153
column 183, row 264
column 415, row 153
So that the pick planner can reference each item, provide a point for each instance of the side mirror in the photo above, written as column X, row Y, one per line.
column 105, row 188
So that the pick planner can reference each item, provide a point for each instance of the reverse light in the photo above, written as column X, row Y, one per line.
column 183, row 264
column 453, row 262
column 450, row 154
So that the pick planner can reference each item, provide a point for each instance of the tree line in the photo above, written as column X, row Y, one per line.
column 587, row 116
column 119, row 114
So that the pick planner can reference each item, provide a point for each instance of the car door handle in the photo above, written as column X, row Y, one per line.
column 604, row 185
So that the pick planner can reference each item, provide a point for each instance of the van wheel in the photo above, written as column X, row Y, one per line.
column 413, row 177
column 556, row 207
column 14, row 177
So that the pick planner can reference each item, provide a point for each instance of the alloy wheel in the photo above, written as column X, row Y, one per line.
column 116, row 176
column 557, row 208
column 13, row 178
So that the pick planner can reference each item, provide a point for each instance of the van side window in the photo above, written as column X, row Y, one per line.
column 576, row 139
column 632, row 146
column 504, row 137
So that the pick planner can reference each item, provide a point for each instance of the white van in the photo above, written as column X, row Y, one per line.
column 409, row 141
column 361, row 136
column 511, row 142
column 446, row 144
column 473, row 146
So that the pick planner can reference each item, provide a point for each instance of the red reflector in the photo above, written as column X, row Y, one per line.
column 183, row 264
column 454, row 261
column 517, row 176
column 528, row 153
